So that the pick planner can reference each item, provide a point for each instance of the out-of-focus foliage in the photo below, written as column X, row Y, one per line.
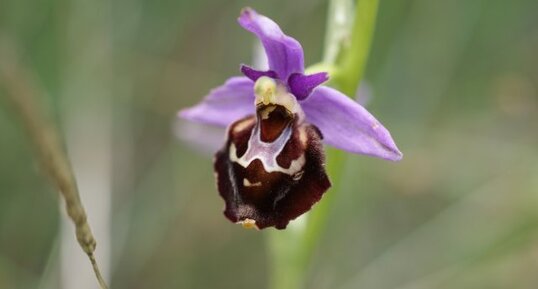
column 456, row 82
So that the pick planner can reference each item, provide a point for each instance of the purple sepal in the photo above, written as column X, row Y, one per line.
column 285, row 54
column 347, row 125
column 254, row 74
column 302, row 85
column 225, row 104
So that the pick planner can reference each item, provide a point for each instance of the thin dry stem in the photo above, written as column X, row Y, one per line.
column 98, row 275
column 21, row 91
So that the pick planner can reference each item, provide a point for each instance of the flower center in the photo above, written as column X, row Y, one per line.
column 276, row 108
column 269, row 92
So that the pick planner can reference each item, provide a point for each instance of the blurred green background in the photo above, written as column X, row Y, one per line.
column 456, row 83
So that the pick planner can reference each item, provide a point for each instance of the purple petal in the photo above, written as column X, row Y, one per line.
column 254, row 74
column 347, row 125
column 224, row 104
column 284, row 53
column 302, row 85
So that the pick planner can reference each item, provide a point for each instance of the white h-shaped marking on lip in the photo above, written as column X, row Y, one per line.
column 267, row 152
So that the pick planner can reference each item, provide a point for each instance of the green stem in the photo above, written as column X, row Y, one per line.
column 353, row 58
column 339, row 23
column 291, row 250
column 287, row 256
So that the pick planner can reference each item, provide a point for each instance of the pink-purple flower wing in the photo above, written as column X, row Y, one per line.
column 347, row 125
column 225, row 104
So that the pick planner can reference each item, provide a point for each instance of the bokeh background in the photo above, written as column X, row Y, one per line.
column 456, row 82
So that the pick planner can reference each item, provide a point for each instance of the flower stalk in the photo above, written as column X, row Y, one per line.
column 351, row 62
column 348, row 41
column 22, row 93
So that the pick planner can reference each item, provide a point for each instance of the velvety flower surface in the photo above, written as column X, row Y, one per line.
column 271, row 168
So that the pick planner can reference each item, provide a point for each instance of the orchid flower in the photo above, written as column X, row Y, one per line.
column 271, row 168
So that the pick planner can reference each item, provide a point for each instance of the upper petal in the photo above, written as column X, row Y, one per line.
column 284, row 53
column 302, row 85
column 225, row 104
column 254, row 74
column 347, row 125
